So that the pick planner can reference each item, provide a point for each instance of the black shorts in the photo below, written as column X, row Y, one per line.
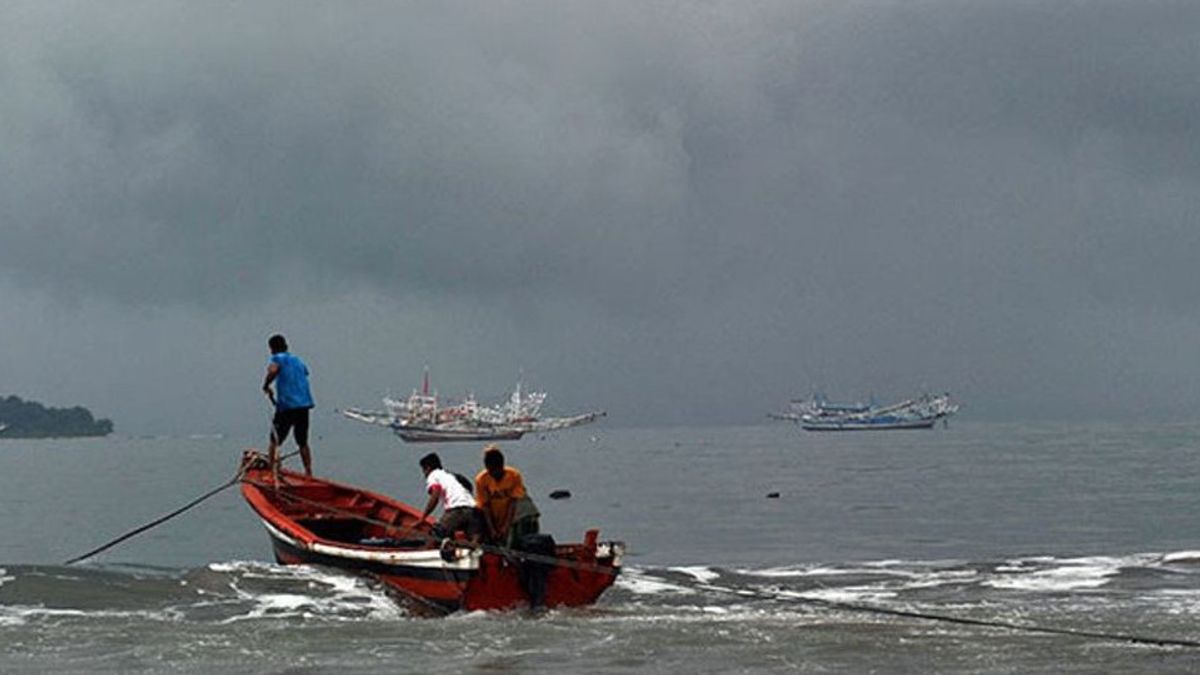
column 286, row 420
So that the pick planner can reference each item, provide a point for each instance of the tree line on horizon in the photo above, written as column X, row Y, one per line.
column 30, row 419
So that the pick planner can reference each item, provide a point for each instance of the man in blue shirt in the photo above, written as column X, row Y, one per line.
column 292, row 400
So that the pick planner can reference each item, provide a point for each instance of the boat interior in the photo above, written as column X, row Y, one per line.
column 349, row 516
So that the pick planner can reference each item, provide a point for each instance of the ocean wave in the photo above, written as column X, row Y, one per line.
column 19, row 615
column 310, row 592
column 698, row 572
column 239, row 591
column 1181, row 558
column 641, row 582
column 937, row 581
column 1048, row 574
column 220, row 593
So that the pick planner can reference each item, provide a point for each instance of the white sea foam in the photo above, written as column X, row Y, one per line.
column 339, row 596
column 12, row 616
column 1181, row 557
column 920, row 571
column 783, row 572
column 256, row 569
column 639, row 583
column 942, row 578
column 1025, row 564
column 1175, row 601
column 1035, row 573
column 1046, row 573
column 793, row 572
column 702, row 574
column 16, row 615
column 847, row 594
column 1070, row 575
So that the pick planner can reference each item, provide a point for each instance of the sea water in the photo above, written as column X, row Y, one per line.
column 1079, row 527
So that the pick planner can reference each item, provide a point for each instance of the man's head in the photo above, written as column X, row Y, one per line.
column 430, row 462
column 277, row 343
column 493, row 461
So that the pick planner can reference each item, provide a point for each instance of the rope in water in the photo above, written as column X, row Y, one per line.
column 783, row 596
column 743, row 592
column 237, row 477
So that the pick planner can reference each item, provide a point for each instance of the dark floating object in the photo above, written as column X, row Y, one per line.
column 772, row 495
column 560, row 494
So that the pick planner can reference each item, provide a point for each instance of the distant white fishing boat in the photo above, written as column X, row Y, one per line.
column 423, row 418
column 3, row 426
column 817, row 414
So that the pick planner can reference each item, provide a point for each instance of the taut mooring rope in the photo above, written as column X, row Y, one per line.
column 162, row 519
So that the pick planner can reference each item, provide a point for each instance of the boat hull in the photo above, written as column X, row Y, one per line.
column 435, row 435
column 488, row 581
column 867, row 426
column 302, row 533
column 921, row 412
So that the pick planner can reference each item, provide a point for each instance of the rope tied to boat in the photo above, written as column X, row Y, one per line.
column 776, row 596
column 237, row 478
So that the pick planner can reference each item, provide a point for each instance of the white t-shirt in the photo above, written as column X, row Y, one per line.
column 450, row 492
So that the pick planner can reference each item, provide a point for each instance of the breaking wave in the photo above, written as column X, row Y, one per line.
column 1169, row 581
column 221, row 593
column 237, row 593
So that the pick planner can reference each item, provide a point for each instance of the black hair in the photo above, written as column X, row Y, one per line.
column 493, row 458
column 431, row 461
column 277, row 343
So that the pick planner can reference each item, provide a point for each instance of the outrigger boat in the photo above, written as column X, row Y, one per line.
column 817, row 414
column 442, row 433
column 424, row 418
column 314, row 521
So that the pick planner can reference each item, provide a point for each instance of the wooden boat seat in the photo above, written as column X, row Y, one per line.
column 342, row 512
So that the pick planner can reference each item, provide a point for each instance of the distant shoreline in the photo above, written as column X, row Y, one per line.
column 29, row 419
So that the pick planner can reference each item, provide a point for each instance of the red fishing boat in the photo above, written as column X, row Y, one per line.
column 314, row 521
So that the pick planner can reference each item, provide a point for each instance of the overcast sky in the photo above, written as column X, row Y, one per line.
column 678, row 212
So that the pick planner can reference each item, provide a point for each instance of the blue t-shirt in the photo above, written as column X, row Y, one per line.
column 291, row 384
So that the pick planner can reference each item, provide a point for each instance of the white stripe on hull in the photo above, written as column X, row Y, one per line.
column 467, row 560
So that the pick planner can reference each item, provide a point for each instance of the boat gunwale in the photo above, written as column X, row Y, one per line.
column 255, row 494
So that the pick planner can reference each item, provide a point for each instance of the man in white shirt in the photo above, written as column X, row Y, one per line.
column 458, row 505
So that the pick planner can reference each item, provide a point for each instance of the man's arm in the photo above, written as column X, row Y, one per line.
column 508, row 518
column 272, row 373
column 431, row 504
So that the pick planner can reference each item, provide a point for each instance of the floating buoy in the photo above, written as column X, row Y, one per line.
column 772, row 495
column 560, row 494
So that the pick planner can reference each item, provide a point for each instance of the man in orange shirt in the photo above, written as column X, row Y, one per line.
column 500, row 495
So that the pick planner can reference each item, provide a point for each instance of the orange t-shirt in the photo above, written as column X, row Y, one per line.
column 494, row 496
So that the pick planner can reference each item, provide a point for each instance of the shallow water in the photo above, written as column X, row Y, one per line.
column 1088, row 528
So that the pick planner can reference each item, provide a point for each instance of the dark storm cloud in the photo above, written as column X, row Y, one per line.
column 401, row 149
column 704, row 199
